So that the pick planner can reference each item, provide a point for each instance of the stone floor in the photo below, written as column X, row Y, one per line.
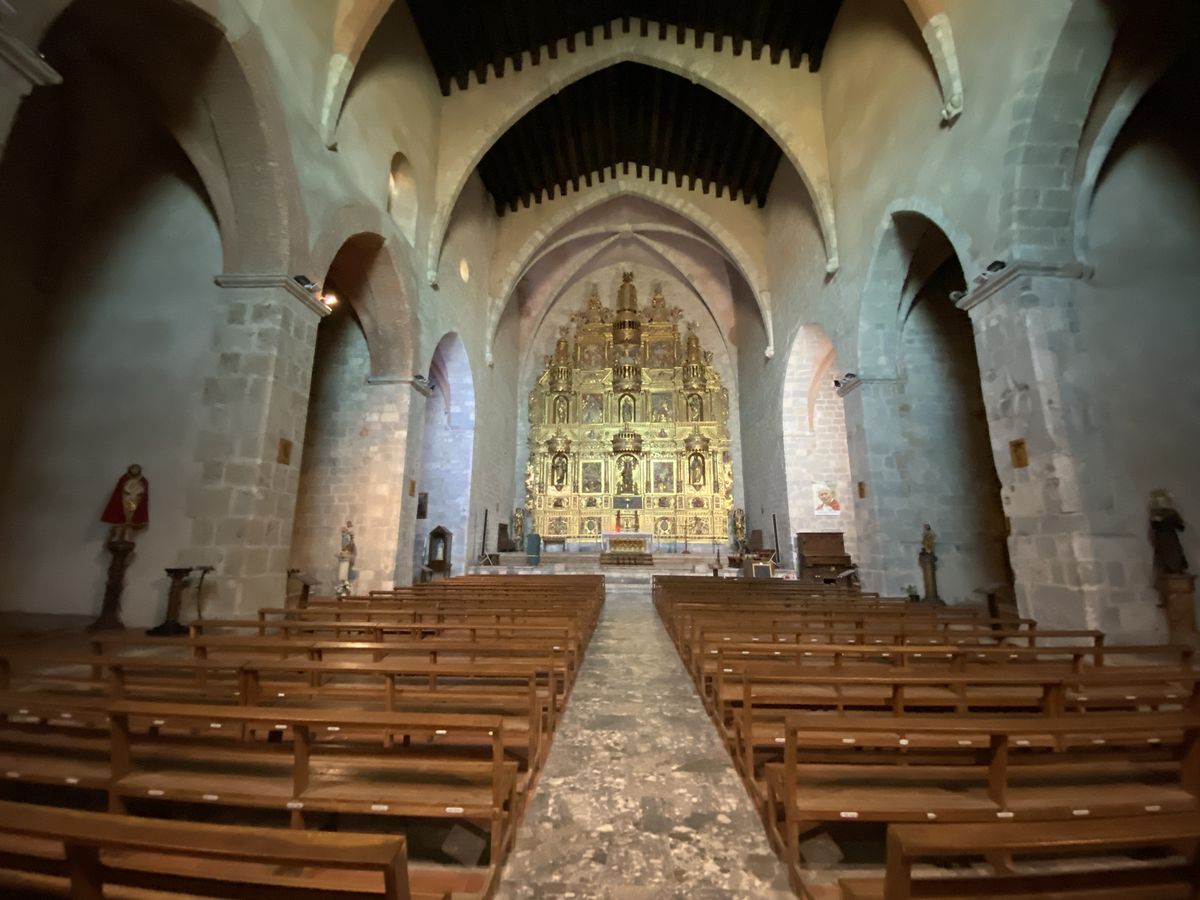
column 638, row 798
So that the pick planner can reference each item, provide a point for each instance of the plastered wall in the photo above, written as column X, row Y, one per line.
column 116, row 338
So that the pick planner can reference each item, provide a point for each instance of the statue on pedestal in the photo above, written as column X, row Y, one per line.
column 128, row 507
column 739, row 527
column 518, row 526
column 345, row 560
column 928, row 563
column 1176, row 585
column 1165, row 525
column 127, row 512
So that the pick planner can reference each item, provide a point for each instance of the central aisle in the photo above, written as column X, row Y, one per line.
column 638, row 798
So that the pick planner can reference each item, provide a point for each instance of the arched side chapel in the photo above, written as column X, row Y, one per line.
column 257, row 181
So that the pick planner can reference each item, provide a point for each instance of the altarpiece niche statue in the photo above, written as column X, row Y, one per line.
column 645, row 432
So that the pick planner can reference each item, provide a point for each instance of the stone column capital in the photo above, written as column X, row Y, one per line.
column 26, row 62
column 412, row 381
column 254, row 281
column 854, row 384
column 994, row 284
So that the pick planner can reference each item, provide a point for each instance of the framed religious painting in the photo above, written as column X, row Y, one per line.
column 662, row 475
column 591, row 354
column 592, row 477
column 660, row 354
column 662, row 407
column 592, row 408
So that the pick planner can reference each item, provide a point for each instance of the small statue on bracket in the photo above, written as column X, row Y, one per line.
column 928, row 540
column 345, row 560
column 927, row 560
column 1165, row 525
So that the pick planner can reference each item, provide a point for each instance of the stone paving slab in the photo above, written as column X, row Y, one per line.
column 638, row 798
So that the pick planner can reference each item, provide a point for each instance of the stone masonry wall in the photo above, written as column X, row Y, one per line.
column 353, row 461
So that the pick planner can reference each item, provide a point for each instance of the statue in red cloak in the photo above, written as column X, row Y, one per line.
column 129, row 506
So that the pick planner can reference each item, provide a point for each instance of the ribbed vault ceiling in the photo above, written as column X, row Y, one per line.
column 477, row 35
column 632, row 116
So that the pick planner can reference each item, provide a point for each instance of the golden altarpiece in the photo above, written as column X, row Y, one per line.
column 629, row 430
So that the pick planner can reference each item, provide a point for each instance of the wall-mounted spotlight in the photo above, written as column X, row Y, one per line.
column 424, row 382
column 996, row 265
column 329, row 299
column 957, row 295
column 305, row 282
column 846, row 379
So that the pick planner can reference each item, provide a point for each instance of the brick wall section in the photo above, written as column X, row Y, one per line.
column 243, row 505
column 814, row 436
column 353, row 468
column 446, row 455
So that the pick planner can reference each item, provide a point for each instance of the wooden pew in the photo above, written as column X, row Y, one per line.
column 751, row 714
column 440, row 765
column 318, row 770
column 978, row 769
column 92, row 855
column 1174, row 876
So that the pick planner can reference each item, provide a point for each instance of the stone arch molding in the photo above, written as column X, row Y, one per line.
column 675, row 199
column 386, row 305
column 591, row 258
column 237, row 142
column 353, row 24
column 1037, row 209
column 886, row 293
column 786, row 103
column 931, row 18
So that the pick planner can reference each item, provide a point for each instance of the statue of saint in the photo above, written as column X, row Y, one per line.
column 627, row 476
column 518, row 525
column 696, row 470
column 739, row 526
column 558, row 470
column 928, row 540
column 128, row 507
column 560, row 409
column 695, row 408
column 348, row 548
column 1165, row 525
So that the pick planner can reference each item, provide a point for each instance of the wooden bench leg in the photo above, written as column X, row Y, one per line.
column 86, row 873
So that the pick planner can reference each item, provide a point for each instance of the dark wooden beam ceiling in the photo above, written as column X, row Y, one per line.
column 486, row 36
column 630, row 113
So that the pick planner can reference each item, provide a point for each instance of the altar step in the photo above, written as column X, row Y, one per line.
column 627, row 558
column 559, row 562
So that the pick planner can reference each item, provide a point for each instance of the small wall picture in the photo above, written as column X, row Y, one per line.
column 825, row 499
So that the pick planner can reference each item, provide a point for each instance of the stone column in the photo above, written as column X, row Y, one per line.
column 248, row 450
column 21, row 70
column 380, row 480
column 1178, row 593
column 1069, row 557
column 405, row 560
column 888, row 520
